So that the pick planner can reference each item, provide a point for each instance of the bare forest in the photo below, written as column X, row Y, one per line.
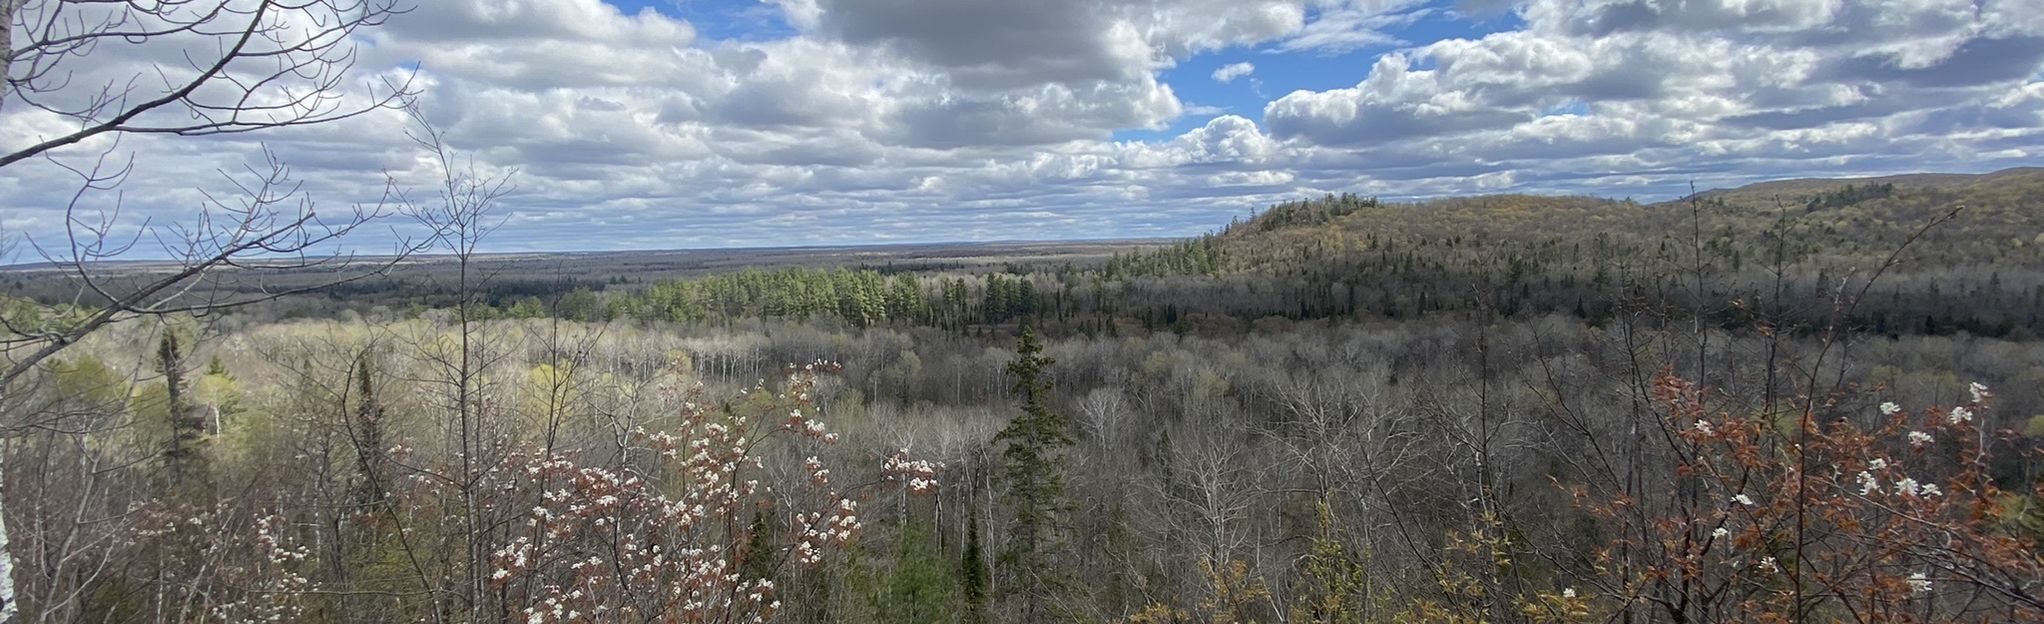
column 1799, row 401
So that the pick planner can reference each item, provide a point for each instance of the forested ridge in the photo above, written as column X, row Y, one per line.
column 1352, row 257
column 1796, row 401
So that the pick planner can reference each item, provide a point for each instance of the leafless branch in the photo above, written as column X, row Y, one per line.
column 243, row 66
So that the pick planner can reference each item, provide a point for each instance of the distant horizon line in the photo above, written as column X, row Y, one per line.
column 1250, row 214
column 46, row 265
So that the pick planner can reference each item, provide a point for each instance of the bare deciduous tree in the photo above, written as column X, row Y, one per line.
column 113, row 68
column 243, row 67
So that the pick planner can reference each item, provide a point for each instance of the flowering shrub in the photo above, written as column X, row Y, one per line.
column 226, row 565
column 667, row 534
column 1787, row 519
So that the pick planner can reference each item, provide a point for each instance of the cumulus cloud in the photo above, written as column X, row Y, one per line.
column 1731, row 81
column 888, row 120
column 1228, row 73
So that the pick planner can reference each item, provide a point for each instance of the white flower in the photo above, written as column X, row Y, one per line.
column 1979, row 392
column 1931, row 489
column 1959, row 415
column 1569, row 592
column 1919, row 583
column 1918, row 438
column 1867, row 483
column 1721, row 533
column 1768, row 564
column 1890, row 408
column 1907, row 486
column 1877, row 464
column 1703, row 426
column 1743, row 500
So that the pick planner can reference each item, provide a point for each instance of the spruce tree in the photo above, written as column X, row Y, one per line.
column 1033, row 474
column 972, row 574
column 369, row 447
column 182, row 455
column 920, row 588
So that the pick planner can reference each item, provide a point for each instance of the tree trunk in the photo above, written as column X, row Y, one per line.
column 7, row 10
column 8, row 611
column 7, row 608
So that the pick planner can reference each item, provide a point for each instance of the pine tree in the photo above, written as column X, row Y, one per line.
column 757, row 561
column 972, row 574
column 217, row 368
column 1033, row 473
column 920, row 589
column 368, row 438
column 187, row 430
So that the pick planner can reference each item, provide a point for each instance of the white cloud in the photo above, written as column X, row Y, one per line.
column 1353, row 24
column 1228, row 73
column 1731, row 78
column 885, row 120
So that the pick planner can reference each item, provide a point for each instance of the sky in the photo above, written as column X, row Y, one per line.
column 659, row 124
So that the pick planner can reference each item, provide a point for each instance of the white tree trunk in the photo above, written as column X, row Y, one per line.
column 7, row 609
column 7, row 11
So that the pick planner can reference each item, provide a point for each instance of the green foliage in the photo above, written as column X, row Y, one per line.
column 972, row 574
column 580, row 304
column 1033, row 476
column 1322, row 211
column 1008, row 298
column 921, row 588
column 184, row 445
column 1199, row 256
column 863, row 297
column 1331, row 582
column 85, row 382
column 1850, row 194
column 371, row 479
column 219, row 391
column 757, row 560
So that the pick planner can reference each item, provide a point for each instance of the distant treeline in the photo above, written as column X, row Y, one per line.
column 1346, row 257
column 1727, row 257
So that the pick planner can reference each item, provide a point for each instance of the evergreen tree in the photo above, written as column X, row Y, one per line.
column 920, row 589
column 187, row 429
column 369, row 446
column 757, row 561
column 217, row 368
column 972, row 575
column 1033, row 473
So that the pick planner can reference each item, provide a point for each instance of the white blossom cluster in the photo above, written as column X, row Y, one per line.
column 820, row 530
column 1958, row 415
column 1919, row 583
column 671, row 527
column 919, row 474
column 1870, row 484
column 273, row 587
